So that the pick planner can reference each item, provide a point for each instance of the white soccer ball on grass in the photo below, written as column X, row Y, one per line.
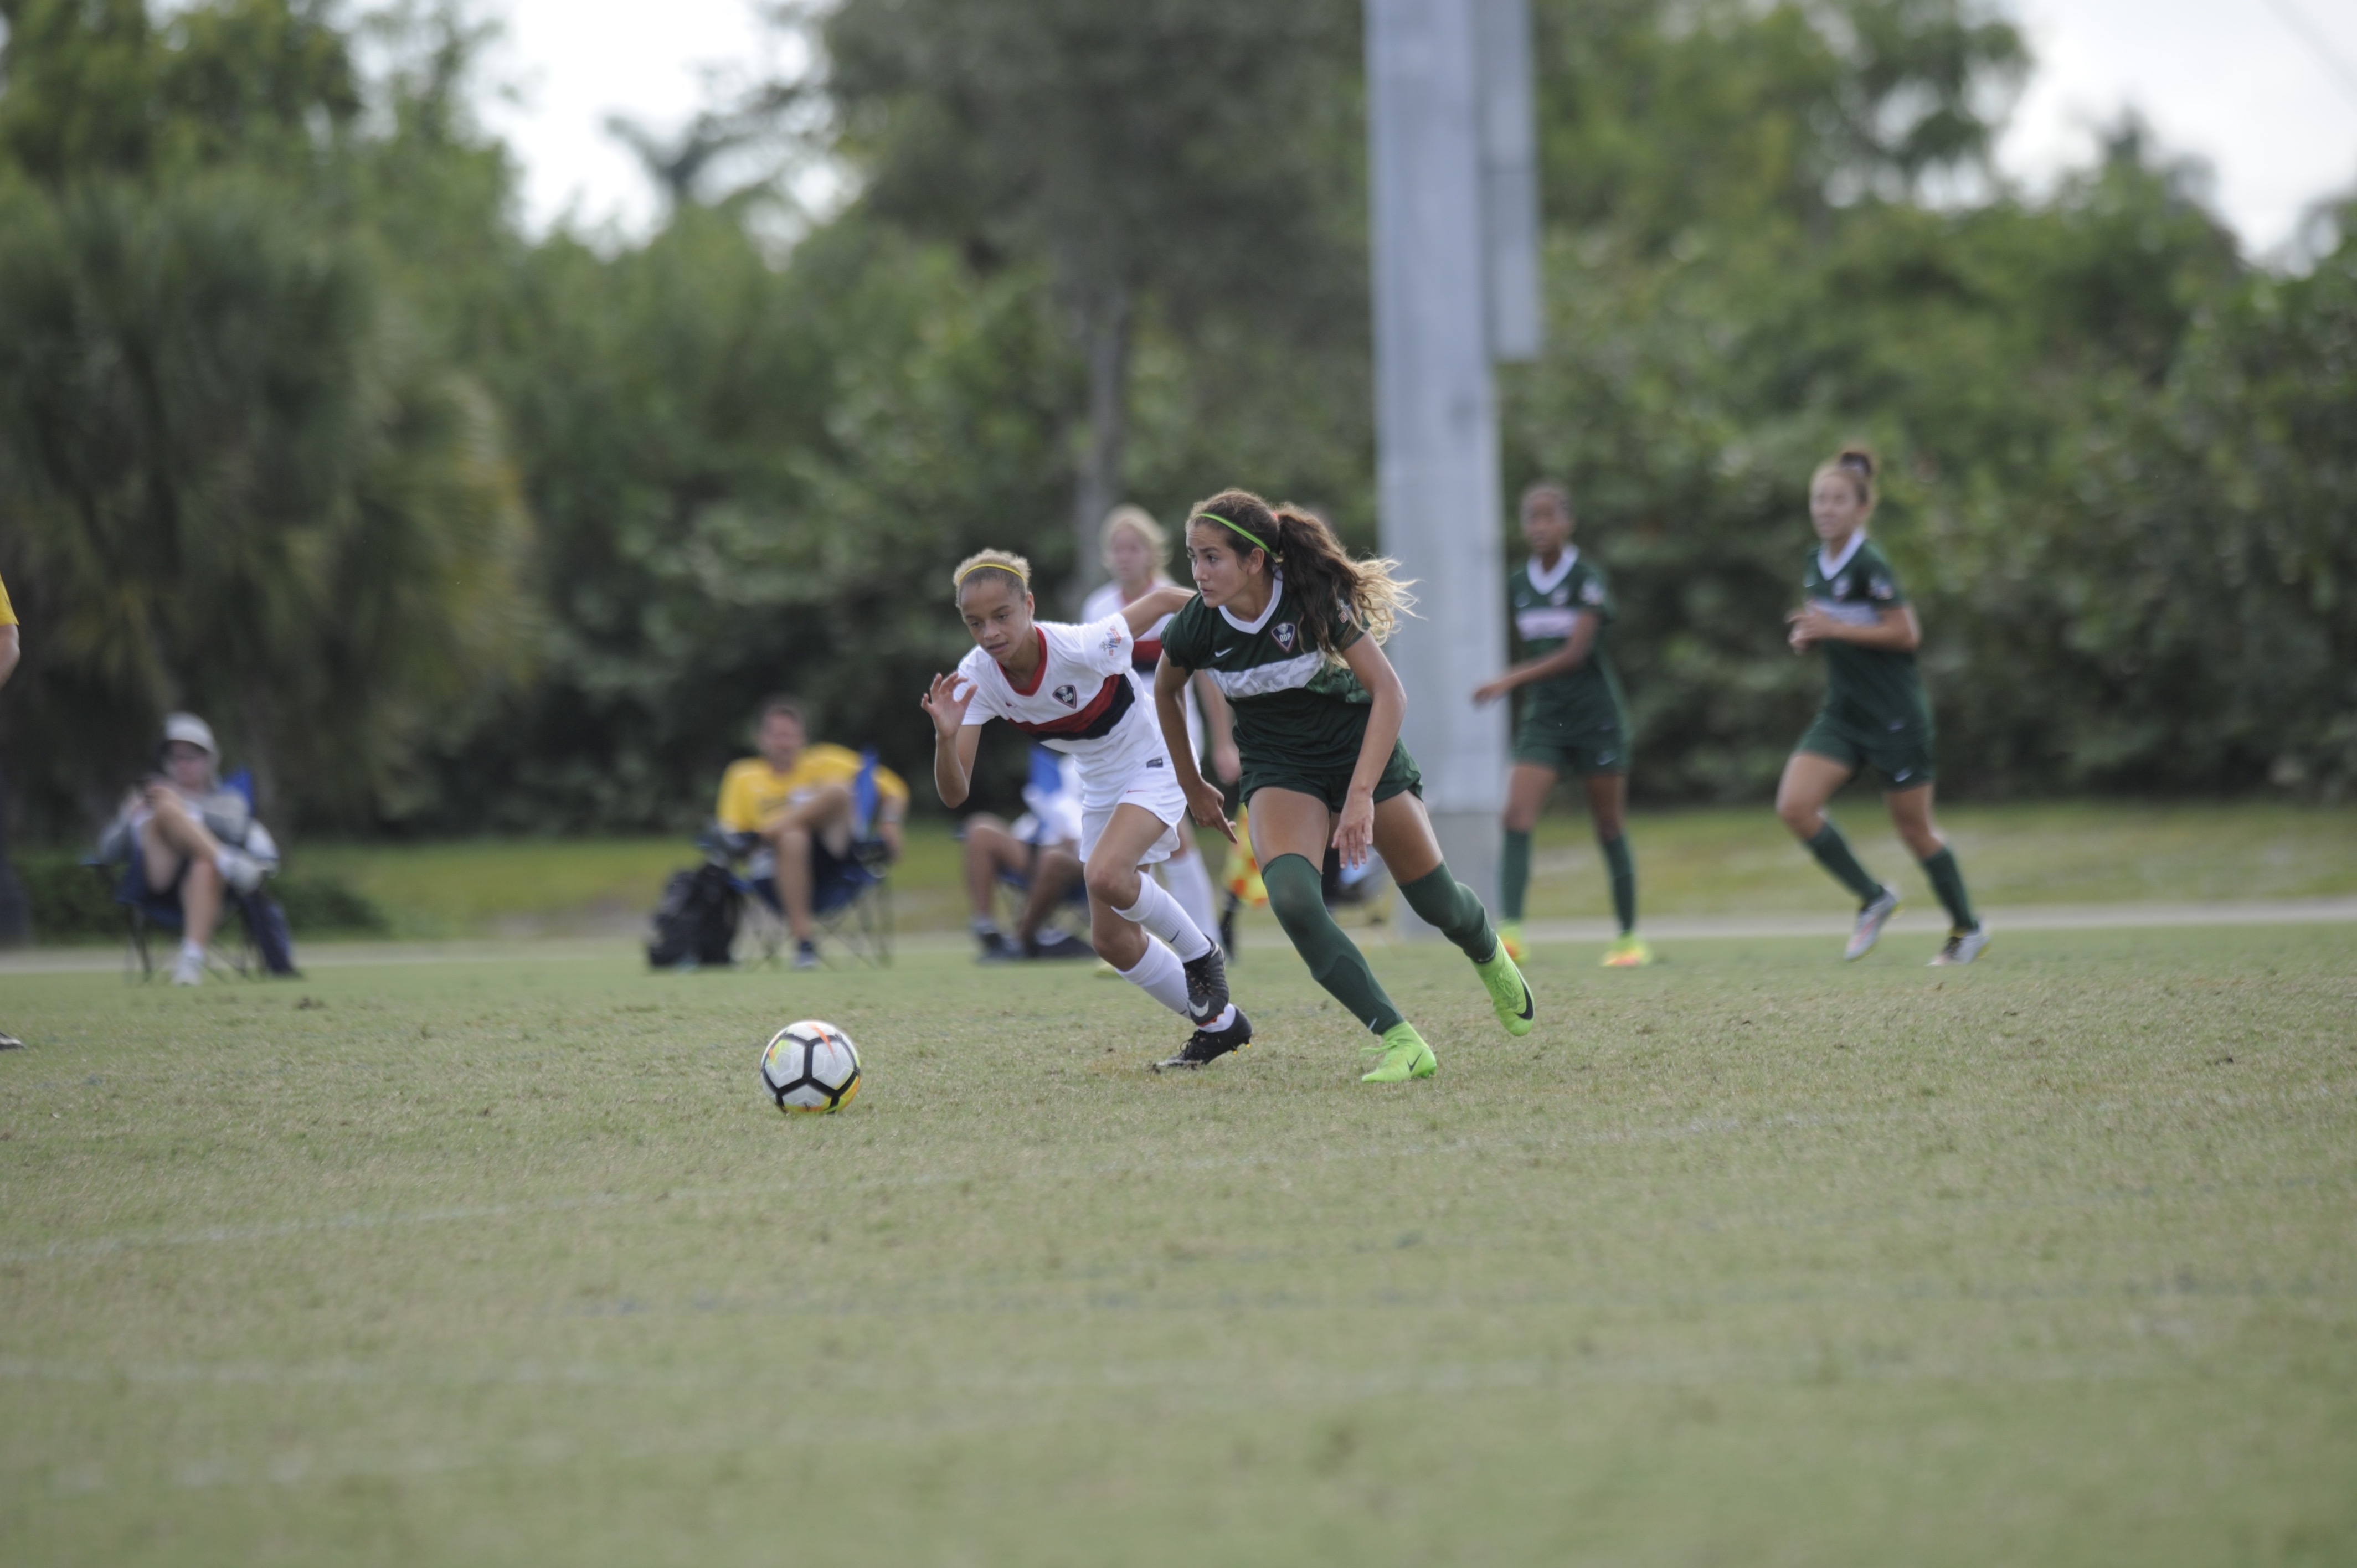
column 811, row 1066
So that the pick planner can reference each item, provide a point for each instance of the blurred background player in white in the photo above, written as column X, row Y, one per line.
column 1039, row 854
column 1137, row 554
column 188, row 837
column 1071, row 688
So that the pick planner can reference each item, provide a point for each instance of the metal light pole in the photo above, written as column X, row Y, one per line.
column 1453, row 153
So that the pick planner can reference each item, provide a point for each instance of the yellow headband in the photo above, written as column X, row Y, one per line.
column 1021, row 578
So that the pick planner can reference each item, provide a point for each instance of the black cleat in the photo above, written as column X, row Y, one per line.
column 1206, row 1046
column 1207, row 985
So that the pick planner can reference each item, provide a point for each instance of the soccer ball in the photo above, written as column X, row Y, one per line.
column 811, row 1066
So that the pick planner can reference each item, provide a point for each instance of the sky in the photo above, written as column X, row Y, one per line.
column 2263, row 90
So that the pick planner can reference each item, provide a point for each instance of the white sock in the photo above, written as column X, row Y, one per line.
column 1226, row 1020
column 1191, row 883
column 1161, row 976
column 1160, row 914
column 189, row 949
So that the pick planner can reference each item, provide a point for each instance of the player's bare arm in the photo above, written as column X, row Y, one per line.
column 1204, row 801
column 954, row 740
column 1354, row 830
column 1570, row 656
column 1895, row 629
column 1143, row 611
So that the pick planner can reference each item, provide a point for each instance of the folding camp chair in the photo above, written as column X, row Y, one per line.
column 851, row 908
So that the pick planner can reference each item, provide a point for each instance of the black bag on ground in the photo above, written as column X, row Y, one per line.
column 696, row 921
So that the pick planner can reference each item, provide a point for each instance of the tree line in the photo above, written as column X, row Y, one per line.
column 449, row 527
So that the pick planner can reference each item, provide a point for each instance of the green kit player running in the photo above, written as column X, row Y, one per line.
column 1874, row 712
column 1573, row 715
column 1288, row 626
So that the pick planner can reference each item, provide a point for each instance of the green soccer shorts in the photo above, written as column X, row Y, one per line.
column 1582, row 752
column 1331, row 785
column 1901, row 753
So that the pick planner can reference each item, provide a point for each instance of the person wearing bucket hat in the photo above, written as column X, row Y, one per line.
column 189, row 839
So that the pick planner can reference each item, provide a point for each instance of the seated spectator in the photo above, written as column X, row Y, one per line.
column 798, row 799
column 1039, row 852
column 188, row 837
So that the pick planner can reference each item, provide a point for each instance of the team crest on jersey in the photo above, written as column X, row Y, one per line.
column 1283, row 632
column 1560, row 597
column 1841, row 587
column 1067, row 696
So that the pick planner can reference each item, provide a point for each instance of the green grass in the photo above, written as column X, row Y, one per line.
column 1749, row 1258
column 1690, row 862
column 1724, row 861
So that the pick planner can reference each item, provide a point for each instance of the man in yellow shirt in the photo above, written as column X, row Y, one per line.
column 801, row 800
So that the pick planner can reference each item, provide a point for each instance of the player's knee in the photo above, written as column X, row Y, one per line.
column 1299, row 902
column 1113, row 884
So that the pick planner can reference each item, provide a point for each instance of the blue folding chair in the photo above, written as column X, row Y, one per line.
column 146, row 912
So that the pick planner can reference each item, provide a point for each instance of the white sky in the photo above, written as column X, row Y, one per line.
column 2231, row 81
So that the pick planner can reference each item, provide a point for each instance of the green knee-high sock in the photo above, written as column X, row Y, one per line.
column 1514, row 875
column 1832, row 852
column 1624, row 880
column 1334, row 961
column 1454, row 909
column 1948, row 881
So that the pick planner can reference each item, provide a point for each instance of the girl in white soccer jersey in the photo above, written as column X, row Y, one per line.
column 1135, row 551
column 1070, row 688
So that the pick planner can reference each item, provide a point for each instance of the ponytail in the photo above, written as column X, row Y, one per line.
column 1330, row 587
column 1856, row 464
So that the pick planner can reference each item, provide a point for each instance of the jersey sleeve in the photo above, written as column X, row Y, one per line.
column 1106, row 646
column 1881, row 584
column 1594, row 596
column 1347, row 629
column 984, row 708
column 1184, row 639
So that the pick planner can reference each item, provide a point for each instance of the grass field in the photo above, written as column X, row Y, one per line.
column 1690, row 862
column 1751, row 1258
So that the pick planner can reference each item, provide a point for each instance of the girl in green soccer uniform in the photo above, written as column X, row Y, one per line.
column 1874, row 713
column 1289, row 628
column 1573, row 715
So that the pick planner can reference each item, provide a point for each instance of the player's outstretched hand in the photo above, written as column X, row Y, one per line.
column 947, row 704
column 1354, row 828
column 1489, row 691
column 1208, row 807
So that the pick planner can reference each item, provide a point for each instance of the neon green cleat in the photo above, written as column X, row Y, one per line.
column 1509, row 932
column 1404, row 1054
column 1509, row 993
column 1631, row 951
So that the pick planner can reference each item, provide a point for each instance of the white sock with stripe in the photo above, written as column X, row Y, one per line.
column 1161, row 976
column 1160, row 914
column 1189, row 882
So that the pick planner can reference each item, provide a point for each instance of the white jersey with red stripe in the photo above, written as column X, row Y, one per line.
column 1081, row 700
column 1109, row 600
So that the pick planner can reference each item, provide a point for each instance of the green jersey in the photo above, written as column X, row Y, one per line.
column 1297, row 711
column 1877, row 687
column 1547, row 607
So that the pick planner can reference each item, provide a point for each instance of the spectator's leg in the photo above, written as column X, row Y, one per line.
column 794, row 849
column 825, row 814
column 158, row 856
column 990, row 852
column 1051, row 877
column 201, row 904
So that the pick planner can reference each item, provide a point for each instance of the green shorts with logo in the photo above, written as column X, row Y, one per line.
column 1900, row 751
column 1332, row 786
column 1584, row 750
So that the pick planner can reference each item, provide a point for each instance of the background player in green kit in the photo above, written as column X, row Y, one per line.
column 1874, row 713
column 1289, row 627
column 1573, row 715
